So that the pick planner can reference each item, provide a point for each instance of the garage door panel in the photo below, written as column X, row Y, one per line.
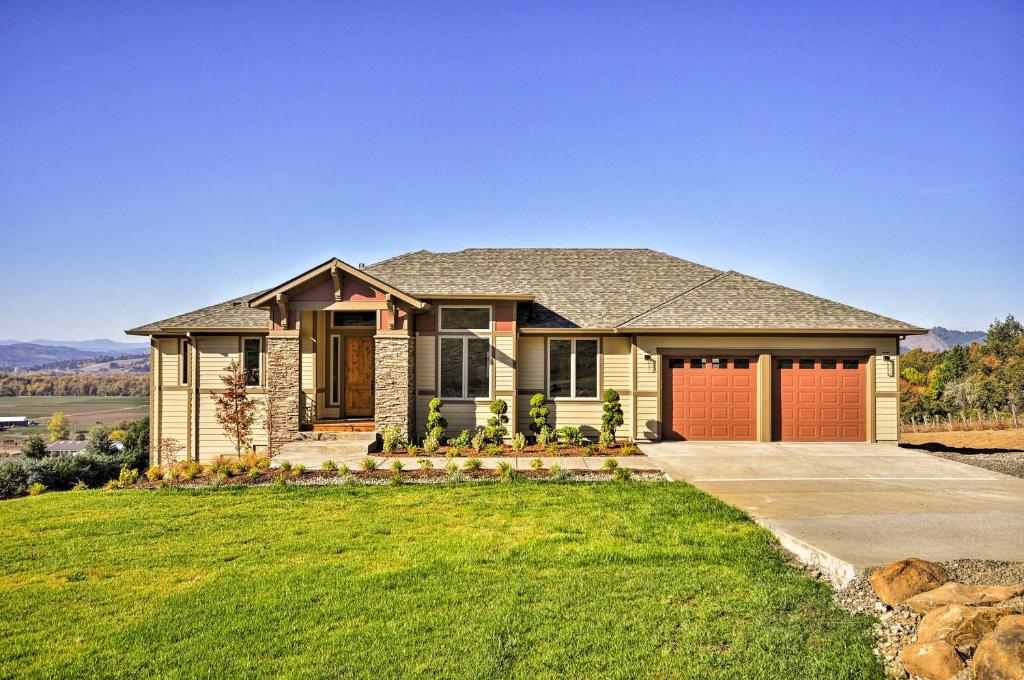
column 817, row 399
column 718, row 395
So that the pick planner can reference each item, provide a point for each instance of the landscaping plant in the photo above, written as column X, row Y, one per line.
column 396, row 465
column 621, row 474
column 329, row 466
column 506, row 470
column 473, row 464
column 497, row 424
column 571, row 435
column 479, row 441
column 436, row 423
column 36, row 489
column 236, row 411
column 425, row 464
column 369, row 463
column 391, row 439
column 539, row 411
column 611, row 418
column 610, row 464
column 462, row 441
column 536, row 463
column 518, row 442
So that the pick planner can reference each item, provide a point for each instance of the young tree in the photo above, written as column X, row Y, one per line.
column 539, row 411
column 1003, row 336
column 436, row 423
column 35, row 447
column 497, row 424
column 236, row 411
column 99, row 443
column 612, row 417
column 58, row 427
column 167, row 450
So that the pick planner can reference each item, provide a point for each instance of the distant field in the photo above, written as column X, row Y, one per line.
column 82, row 413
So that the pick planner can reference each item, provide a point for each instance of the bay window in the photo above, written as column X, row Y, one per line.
column 573, row 368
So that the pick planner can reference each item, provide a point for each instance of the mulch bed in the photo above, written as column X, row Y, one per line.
column 531, row 451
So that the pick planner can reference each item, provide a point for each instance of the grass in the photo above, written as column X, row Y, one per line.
column 515, row 580
column 82, row 413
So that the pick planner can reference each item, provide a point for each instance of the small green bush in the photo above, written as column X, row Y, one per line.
column 553, row 449
column 611, row 417
column 571, row 435
column 425, row 464
column 396, row 479
column 392, row 439
column 13, row 480
column 545, row 436
column 286, row 465
column 82, row 486
column 34, row 447
column 559, row 473
column 451, row 468
column 369, row 463
column 539, row 411
column 536, row 463
column 36, row 489
column 473, row 464
column 412, row 449
column 436, row 423
column 299, row 469
column 621, row 474
column 462, row 441
column 518, row 442
column 343, row 470
column 497, row 424
column 493, row 450
column 431, row 445
column 124, row 480
column 397, row 466
column 452, row 452
column 479, row 441
column 254, row 473
column 610, row 464
column 629, row 449
column 329, row 466
column 506, row 470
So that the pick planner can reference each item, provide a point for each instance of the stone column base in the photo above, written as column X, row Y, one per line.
column 394, row 394
column 282, row 390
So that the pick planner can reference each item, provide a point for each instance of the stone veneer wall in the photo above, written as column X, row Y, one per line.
column 394, row 397
column 283, row 388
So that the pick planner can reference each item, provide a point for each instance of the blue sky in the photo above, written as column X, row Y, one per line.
column 155, row 158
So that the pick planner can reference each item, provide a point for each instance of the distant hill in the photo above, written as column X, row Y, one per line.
column 98, row 345
column 64, row 359
column 29, row 355
column 940, row 339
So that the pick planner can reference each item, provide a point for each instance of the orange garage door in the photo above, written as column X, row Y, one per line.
column 707, row 398
column 820, row 399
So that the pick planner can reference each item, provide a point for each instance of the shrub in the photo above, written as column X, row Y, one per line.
column 155, row 473
column 80, row 486
column 369, row 463
column 329, row 466
column 451, row 468
column 34, row 447
column 343, row 470
column 493, row 450
column 539, row 411
column 36, row 489
column 629, row 449
column 254, row 473
column 412, row 449
column 396, row 479
column 589, row 449
column 553, row 449
column 452, row 452
column 518, row 442
column 479, row 441
column 497, row 424
column 454, row 474
column 536, row 463
column 286, row 465
column 611, row 418
column 396, row 465
column 425, row 464
column 545, row 436
column 189, row 470
column 462, row 441
column 506, row 470
column 621, row 474
column 571, row 434
column 431, row 445
column 62, row 472
column 610, row 464
column 392, row 439
column 558, row 473
column 473, row 464
column 298, row 470
column 124, row 480
column 98, row 442
column 255, row 461
column 436, row 423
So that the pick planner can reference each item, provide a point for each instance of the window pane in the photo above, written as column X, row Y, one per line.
column 251, row 361
column 560, row 368
column 451, row 367
column 465, row 318
column 698, row 363
column 741, row 363
column 335, row 369
column 850, row 364
column 586, row 368
column 785, row 363
column 720, row 363
column 677, row 363
column 478, row 376
column 342, row 319
column 828, row 363
column 184, row 362
column 807, row 363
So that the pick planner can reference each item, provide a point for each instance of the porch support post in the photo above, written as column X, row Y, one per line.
column 394, row 393
column 283, row 388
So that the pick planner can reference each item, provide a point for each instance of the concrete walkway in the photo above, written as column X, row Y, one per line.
column 858, row 505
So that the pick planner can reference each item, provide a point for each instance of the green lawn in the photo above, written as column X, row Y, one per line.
column 499, row 580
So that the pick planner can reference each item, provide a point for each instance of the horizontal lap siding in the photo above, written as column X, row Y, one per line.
column 168, row 348
column 504, row 375
column 307, row 367
column 617, row 376
column 463, row 415
column 887, row 408
column 216, row 352
column 174, row 417
column 530, row 365
column 426, row 370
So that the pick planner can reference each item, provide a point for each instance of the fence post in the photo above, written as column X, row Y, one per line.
column 1013, row 408
column 949, row 416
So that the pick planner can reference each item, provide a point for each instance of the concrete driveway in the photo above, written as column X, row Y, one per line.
column 851, row 506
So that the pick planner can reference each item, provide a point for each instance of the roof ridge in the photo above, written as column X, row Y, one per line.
column 398, row 257
column 675, row 297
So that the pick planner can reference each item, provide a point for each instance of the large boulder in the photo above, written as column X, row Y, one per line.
column 958, row 593
column 961, row 626
column 896, row 582
column 931, row 660
column 1000, row 655
column 1009, row 621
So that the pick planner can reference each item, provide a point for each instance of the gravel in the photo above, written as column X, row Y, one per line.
column 896, row 627
column 1011, row 463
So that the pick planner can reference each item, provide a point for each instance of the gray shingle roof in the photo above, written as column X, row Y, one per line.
column 234, row 313
column 586, row 288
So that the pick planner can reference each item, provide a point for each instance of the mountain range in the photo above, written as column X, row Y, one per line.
column 98, row 345
column 939, row 339
column 70, row 355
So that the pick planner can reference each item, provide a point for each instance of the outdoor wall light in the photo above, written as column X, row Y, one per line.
column 890, row 365
column 647, row 357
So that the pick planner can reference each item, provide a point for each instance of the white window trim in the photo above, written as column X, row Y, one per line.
column 184, row 361
column 259, row 383
column 372, row 324
column 440, row 319
column 572, row 371
column 465, row 367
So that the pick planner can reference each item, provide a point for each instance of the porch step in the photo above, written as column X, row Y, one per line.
column 313, row 453
column 367, row 425
column 343, row 437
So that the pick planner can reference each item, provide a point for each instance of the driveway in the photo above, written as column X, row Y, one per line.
column 858, row 505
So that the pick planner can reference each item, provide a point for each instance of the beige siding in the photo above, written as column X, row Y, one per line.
column 174, row 417
column 426, row 370
column 616, row 375
column 504, row 376
column 168, row 348
column 887, row 415
column 307, row 367
column 215, row 353
column 213, row 441
column 531, row 363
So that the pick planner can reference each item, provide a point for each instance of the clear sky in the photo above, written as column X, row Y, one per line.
column 158, row 157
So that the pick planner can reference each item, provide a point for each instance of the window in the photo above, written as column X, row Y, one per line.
column 183, row 354
column 806, row 363
column 698, row 363
column 720, row 363
column 741, row 363
column 359, row 319
column 465, row 368
column 850, row 364
column 573, row 368
column 785, row 363
column 335, row 369
column 252, row 360
column 828, row 363
column 677, row 363
column 465, row 318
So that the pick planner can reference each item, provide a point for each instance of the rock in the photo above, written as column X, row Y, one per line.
column 1000, row 655
column 958, row 593
column 931, row 660
column 1009, row 621
column 959, row 625
column 896, row 582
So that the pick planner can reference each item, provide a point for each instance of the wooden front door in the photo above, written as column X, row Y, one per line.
column 358, row 377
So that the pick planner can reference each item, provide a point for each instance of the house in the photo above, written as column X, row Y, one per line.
column 66, row 446
column 695, row 353
column 7, row 422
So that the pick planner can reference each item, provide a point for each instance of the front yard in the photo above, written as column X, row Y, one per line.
column 522, row 579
